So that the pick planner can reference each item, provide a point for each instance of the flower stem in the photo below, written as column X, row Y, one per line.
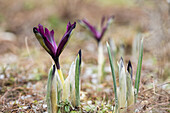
column 61, row 76
column 100, row 62
column 56, row 60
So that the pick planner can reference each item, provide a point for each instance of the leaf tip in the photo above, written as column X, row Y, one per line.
column 53, row 70
column 129, row 68
column 79, row 54
column 107, row 44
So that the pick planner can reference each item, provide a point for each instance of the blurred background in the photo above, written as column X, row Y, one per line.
column 24, row 63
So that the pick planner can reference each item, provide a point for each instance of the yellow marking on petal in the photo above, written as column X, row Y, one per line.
column 41, row 41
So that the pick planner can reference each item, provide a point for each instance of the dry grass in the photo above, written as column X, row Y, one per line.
column 24, row 64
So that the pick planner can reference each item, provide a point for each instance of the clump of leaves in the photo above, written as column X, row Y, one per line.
column 125, row 94
column 68, row 92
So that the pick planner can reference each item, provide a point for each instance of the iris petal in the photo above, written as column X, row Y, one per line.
column 53, row 41
column 48, row 39
column 65, row 38
column 68, row 26
column 41, row 29
column 40, row 39
column 93, row 30
column 96, row 34
column 47, row 33
column 102, row 22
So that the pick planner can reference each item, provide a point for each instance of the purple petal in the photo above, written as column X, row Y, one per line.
column 52, row 35
column 104, row 28
column 40, row 39
column 48, row 38
column 65, row 38
column 103, row 31
column 50, row 46
column 102, row 22
column 68, row 26
column 110, row 20
column 41, row 30
column 98, row 36
column 47, row 33
column 92, row 29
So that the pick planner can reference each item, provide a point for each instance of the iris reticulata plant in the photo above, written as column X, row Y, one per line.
column 125, row 94
column 47, row 41
column 69, row 92
column 98, row 35
column 59, row 89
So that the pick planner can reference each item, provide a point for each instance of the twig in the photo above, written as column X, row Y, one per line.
column 28, row 50
column 10, row 91
column 155, row 87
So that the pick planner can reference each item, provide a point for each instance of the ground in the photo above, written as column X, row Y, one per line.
column 24, row 64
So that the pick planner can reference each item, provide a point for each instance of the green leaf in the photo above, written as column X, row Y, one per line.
column 59, row 111
column 114, row 77
column 58, row 95
column 138, row 72
column 122, row 85
column 77, row 78
column 67, row 108
column 49, row 88
column 130, row 90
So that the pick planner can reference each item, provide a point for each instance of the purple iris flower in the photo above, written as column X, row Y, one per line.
column 46, row 40
column 97, row 34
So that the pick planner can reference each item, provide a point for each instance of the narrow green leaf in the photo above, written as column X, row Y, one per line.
column 77, row 78
column 58, row 95
column 71, row 84
column 114, row 77
column 138, row 72
column 49, row 88
column 129, row 82
column 130, row 90
column 122, row 85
